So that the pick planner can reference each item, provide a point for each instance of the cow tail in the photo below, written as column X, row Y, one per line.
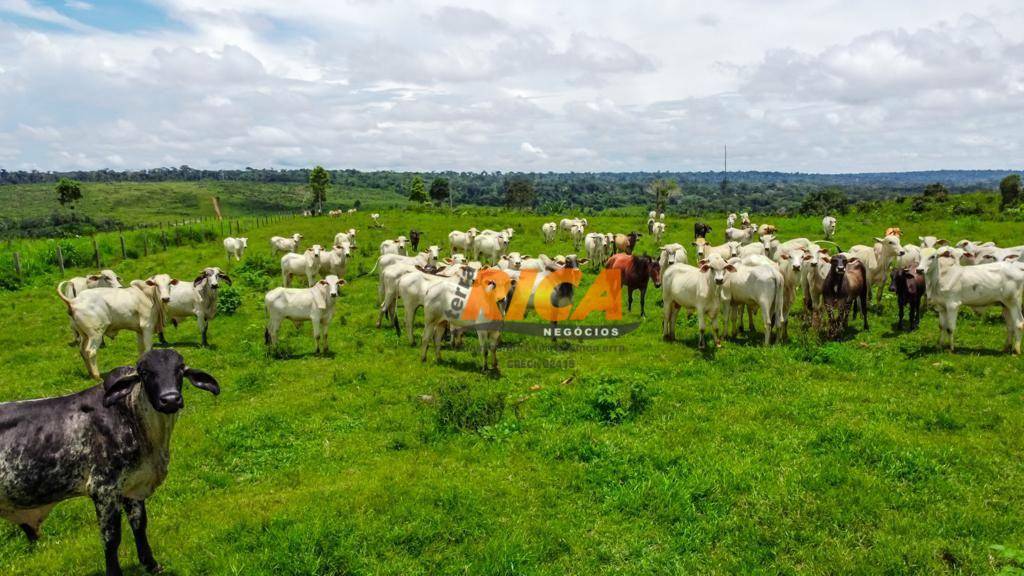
column 67, row 301
column 780, row 299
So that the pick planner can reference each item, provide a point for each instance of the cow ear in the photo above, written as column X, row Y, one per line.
column 202, row 380
column 877, row 239
column 942, row 242
column 225, row 278
column 704, row 267
column 341, row 282
column 730, row 268
column 826, row 258
column 150, row 283
column 784, row 256
column 94, row 277
column 1012, row 257
column 199, row 279
column 808, row 257
column 174, row 282
column 118, row 384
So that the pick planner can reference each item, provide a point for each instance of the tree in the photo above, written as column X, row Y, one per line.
column 1010, row 190
column 824, row 202
column 68, row 192
column 936, row 192
column 662, row 190
column 319, row 182
column 519, row 192
column 439, row 189
column 416, row 192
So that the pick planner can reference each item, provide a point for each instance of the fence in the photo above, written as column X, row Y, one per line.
column 22, row 260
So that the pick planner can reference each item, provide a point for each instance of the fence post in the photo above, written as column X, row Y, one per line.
column 96, row 252
column 60, row 259
column 124, row 253
column 145, row 244
column 163, row 234
column 17, row 264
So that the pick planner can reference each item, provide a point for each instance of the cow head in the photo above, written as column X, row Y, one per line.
column 297, row 238
column 162, row 283
column 315, row 251
column 794, row 258
column 326, row 290
column 213, row 277
column 244, row 241
column 106, row 279
column 514, row 260
column 717, row 267
column 891, row 244
column 160, row 372
column 838, row 264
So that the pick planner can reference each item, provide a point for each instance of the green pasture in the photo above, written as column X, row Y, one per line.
column 878, row 454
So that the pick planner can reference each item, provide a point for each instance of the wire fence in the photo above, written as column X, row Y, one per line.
column 22, row 260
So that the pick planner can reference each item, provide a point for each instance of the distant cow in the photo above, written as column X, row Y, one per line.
column 110, row 442
column 909, row 287
column 281, row 244
column 636, row 272
column 626, row 242
column 701, row 230
column 828, row 226
column 414, row 239
column 548, row 230
column 314, row 304
column 235, row 247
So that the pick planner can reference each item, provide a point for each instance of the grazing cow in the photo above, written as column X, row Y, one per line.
column 442, row 307
column 949, row 285
column 281, row 244
column 548, row 230
column 695, row 288
column 461, row 241
column 596, row 249
column 348, row 237
column 235, row 247
column 626, row 242
column 701, row 230
column 307, row 263
column 75, row 286
column 414, row 239
column 828, row 227
column 314, row 304
column 197, row 299
column 335, row 260
column 396, row 246
column 636, row 271
column 671, row 254
column 106, row 311
column 376, row 220
column 756, row 282
column 726, row 251
column 742, row 235
column 658, row 230
column 845, row 287
column 110, row 442
column 909, row 287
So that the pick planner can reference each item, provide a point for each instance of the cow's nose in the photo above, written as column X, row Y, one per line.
column 903, row 252
column 171, row 398
column 166, row 298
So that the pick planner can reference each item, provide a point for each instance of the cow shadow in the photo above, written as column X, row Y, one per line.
column 933, row 350
column 471, row 366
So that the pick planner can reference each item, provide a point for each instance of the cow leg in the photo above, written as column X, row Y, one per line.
column 899, row 323
column 325, row 347
column 643, row 302
column 160, row 334
column 438, row 335
column 766, row 318
column 864, row 307
column 668, row 322
column 700, row 324
column 629, row 300
column 316, row 335
column 410, row 318
column 108, row 512
column 716, row 330
column 203, row 325
column 136, row 511
column 1017, row 324
column 951, row 316
column 428, row 339
column 750, row 318
column 270, row 334
column 89, row 349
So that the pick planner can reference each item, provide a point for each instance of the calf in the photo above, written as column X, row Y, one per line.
column 414, row 239
column 106, row 311
column 281, row 244
column 828, row 227
column 698, row 289
column 636, row 271
column 909, row 287
column 845, row 287
column 110, row 442
column 658, row 230
column 548, row 230
column 701, row 230
column 235, row 247
column 307, row 264
column 314, row 304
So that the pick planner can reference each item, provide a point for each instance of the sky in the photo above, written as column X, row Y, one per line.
column 556, row 85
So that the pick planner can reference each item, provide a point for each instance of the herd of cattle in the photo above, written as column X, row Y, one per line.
column 111, row 442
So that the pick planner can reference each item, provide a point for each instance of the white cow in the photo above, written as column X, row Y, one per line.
column 396, row 246
column 103, row 312
column 671, row 254
column 489, row 247
column 658, row 230
column 741, row 235
column 197, row 299
column 548, row 230
column 282, row 244
column 948, row 286
column 335, row 260
column 442, row 306
column 347, row 237
column 756, row 282
column 235, row 247
column 577, row 233
column 461, row 241
column 730, row 220
column 877, row 260
column 726, row 251
column 314, row 304
column 791, row 265
column 566, row 224
column 412, row 289
column 307, row 264
column 511, row 261
column 697, row 289
column 932, row 241
column 596, row 248
column 828, row 227
column 75, row 286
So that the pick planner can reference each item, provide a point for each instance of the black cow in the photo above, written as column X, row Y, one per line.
column 414, row 239
column 844, row 288
column 909, row 287
column 701, row 230
column 110, row 442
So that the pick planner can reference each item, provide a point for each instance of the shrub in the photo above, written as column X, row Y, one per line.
column 616, row 401
column 460, row 408
column 229, row 300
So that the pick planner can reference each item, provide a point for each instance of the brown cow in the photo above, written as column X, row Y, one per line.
column 636, row 271
column 845, row 286
column 626, row 242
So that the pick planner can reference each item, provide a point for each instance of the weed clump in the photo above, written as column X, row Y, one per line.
column 616, row 400
column 461, row 408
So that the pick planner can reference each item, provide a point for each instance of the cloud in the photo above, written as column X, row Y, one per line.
column 78, row 5
column 33, row 11
column 532, row 150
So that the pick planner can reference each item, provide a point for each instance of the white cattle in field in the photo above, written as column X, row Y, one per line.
column 489, row 247
column 990, row 254
column 461, row 241
column 392, row 268
column 548, row 230
column 198, row 298
column 910, row 258
column 671, row 254
column 335, row 260
column 75, row 286
column 306, row 264
column 756, row 283
column 741, row 235
column 412, row 289
column 652, row 214
column 597, row 251
column 791, row 265
column 566, row 224
column 661, row 216
column 281, row 244
column 346, row 237
column 877, row 260
column 725, row 251
column 376, row 220
column 948, row 286
column 812, row 280
column 658, row 230
column 314, row 304
column 730, row 220
column 932, row 241
column 745, row 220
column 754, row 249
column 698, row 289
column 511, row 261
column 828, row 227
column 100, row 312
column 396, row 246
column 235, row 247
column 443, row 306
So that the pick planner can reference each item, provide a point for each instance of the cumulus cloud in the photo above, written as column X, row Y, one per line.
column 498, row 86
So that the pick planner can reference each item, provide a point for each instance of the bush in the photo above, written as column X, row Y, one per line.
column 460, row 408
column 616, row 401
column 229, row 300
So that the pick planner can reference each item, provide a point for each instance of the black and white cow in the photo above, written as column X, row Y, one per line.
column 110, row 442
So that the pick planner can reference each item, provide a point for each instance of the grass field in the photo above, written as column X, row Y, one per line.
column 879, row 454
